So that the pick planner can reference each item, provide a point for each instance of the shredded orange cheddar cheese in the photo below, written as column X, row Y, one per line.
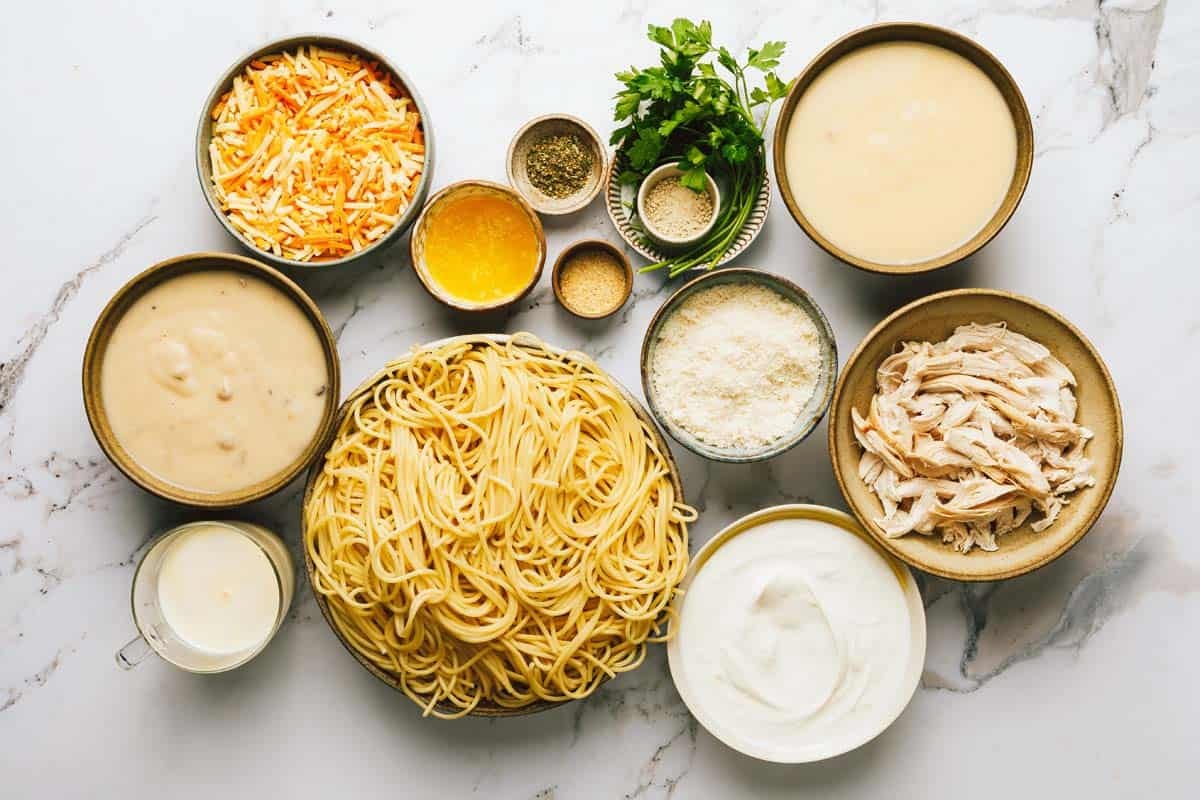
column 315, row 154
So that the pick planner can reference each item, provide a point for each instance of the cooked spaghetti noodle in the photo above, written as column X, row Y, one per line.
column 494, row 525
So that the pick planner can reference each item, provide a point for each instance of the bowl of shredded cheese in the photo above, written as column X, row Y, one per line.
column 314, row 151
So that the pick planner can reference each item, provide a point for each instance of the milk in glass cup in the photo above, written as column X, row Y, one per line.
column 208, row 596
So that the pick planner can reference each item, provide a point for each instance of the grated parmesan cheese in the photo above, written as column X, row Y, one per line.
column 315, row 154
column 735, row 365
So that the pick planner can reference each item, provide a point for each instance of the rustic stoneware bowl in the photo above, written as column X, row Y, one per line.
column 93, row 359
column 835, row 745
column 416, row 244
column 940, row 37
column 555, row 125
column 204, row 136
column 579, row 247
column 366, row 388
column 813, row 410
column 933, row 319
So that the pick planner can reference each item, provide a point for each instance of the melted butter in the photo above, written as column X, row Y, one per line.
column 900, row 152
column 481, row 248
column 214, row 380
column 794, row 634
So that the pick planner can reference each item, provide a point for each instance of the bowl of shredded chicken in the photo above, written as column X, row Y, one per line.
column 976, row 434
column 314, row 150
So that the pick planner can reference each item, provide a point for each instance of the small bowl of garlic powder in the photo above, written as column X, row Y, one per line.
column 739, row 365
column 673, row 215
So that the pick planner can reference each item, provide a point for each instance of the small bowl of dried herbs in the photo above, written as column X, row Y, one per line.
column 557, row 163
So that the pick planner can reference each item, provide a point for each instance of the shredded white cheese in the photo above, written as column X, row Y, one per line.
column 735, row 365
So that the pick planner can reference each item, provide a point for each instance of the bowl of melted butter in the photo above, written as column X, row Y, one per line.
column 211, row 380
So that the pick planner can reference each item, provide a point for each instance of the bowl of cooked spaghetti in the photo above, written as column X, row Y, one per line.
column 497, row 527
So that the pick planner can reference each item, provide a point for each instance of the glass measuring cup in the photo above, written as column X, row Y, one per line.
column 155, row 634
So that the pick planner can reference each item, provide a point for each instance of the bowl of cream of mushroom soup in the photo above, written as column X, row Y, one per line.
column 211, row 380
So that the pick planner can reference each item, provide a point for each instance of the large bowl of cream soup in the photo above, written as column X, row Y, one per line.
column 211, row 380
column 903, row 148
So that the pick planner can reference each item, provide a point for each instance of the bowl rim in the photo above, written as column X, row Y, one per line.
column 585, row 244
column 582, row 199
column 430, row 285
column 656, row 176
column 315, row 468
column 840, row 519
column 333, row 41
column 772, row 281
column 841, row 393
column 945, row 38
column 101, row 334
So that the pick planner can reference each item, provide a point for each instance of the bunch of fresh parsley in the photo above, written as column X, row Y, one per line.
column 707, row 121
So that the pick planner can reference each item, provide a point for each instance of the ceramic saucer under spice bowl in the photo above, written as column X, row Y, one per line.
column 543, row 128
column 807, row 417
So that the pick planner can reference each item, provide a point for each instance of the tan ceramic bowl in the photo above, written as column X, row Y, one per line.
column 555, row 125
column 93, row 359
column 366, row 388
column 941, row 37
column 933, row 319
column 291, row 43
column 417, row 243
column 578, row 247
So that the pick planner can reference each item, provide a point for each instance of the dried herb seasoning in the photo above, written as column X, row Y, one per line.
column 559, row 166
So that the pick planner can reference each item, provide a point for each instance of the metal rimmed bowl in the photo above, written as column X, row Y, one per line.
column 835, row 745
column 555, row 125
column 940, row 37
column 416, row 243
column 366, row 388
column 97, row 344
column 813, row 410
column 204, row 137
column 933, row 319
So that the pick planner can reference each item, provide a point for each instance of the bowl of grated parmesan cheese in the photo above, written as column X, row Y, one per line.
column 739, row 365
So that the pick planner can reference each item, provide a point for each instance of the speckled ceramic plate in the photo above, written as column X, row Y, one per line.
column 933, row 319
column 621, row 202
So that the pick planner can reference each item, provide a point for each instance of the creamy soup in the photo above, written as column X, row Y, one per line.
column 214, row 380
column 900, row 152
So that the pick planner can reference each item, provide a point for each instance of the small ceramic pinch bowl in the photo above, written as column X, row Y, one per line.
column 661, row 238
column 541, row 128
column 434, row 206
column 581, row 246
column 204, row 135
column 814, row 409
column 939, row 37
column 933, row 319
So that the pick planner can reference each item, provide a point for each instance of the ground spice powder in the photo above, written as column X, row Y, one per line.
column 675, row 211
column 593, row 281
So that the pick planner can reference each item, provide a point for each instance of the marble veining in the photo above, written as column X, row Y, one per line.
column 1077, row 678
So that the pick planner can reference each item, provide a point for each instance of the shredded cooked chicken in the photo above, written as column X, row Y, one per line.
column 971, row 437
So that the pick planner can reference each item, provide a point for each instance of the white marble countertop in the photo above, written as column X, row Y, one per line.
column 1075, row 681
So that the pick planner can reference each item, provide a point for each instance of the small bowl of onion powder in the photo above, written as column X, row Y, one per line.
column 673, row 215
column 592, row 278
column 739, row 365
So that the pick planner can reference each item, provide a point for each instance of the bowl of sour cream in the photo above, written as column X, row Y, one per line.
column 796, row 638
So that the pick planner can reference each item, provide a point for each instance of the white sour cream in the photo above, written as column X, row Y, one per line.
column 795, row 641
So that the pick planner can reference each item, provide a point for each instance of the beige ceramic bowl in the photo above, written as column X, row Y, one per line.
column 581, row 246
column 93, row 359
column 941, row 37
column 933, row 319
column 417, row 243
column 555, row 125
column 366, row 388
column 291, row 43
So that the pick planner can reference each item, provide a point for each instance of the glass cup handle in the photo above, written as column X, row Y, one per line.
column 134, row 652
